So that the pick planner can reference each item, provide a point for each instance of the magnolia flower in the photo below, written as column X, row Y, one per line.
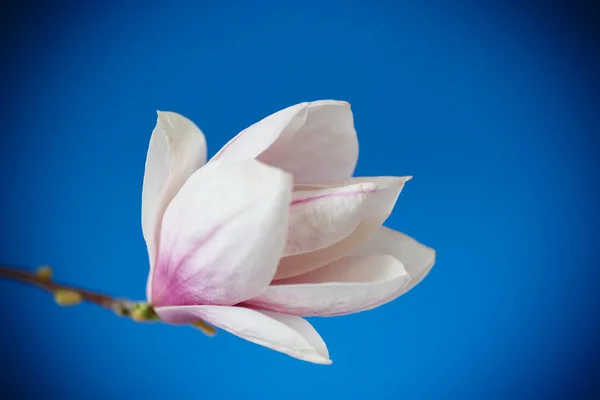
column 272, row 229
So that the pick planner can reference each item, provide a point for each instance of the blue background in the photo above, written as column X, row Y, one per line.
column 493, row 108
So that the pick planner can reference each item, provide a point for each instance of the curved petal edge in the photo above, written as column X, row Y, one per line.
column 286, row 334
column 176, row 150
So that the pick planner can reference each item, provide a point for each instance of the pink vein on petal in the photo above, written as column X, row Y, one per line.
column 172, row 272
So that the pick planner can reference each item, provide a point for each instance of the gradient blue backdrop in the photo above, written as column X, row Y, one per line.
column 493, row 109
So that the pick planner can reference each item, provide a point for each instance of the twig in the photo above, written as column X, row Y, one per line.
column 67, row 295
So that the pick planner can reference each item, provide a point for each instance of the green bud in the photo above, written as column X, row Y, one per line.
column 143, row 312
column 67, row 297
column 44, row 272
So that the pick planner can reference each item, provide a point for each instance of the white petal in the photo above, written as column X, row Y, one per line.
column 254, row 140
column 417, row 258
column 319, row 218
column 349, row 285
column 287, row 334
column 324, row 148
column 315, row 141
column 222, row 235
column 378, row 208
column 177, row 148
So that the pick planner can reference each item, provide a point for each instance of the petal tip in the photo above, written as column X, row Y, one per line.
column 167, row 115
column 162, row 114
column 162, row 118
column 315, row 358
column 335, row 103
column 390, row 182
column 327, row 361
column 433, row 257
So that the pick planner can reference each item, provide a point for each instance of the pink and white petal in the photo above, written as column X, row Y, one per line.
column 377, row 209
column 254, row 140
column 177, row 148
column 417, row 258
column 222, row 235
column 349, row 285
column 314, row 141
column 287, row 334
column 325, row 148
column 319, row 218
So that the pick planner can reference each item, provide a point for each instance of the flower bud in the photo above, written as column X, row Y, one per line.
column 44, row 272
column 67, row 297
column 143, row 312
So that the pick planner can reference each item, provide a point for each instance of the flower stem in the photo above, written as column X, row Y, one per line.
column 68, row 295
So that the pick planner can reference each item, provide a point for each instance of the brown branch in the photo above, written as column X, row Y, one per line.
column 68, row 295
